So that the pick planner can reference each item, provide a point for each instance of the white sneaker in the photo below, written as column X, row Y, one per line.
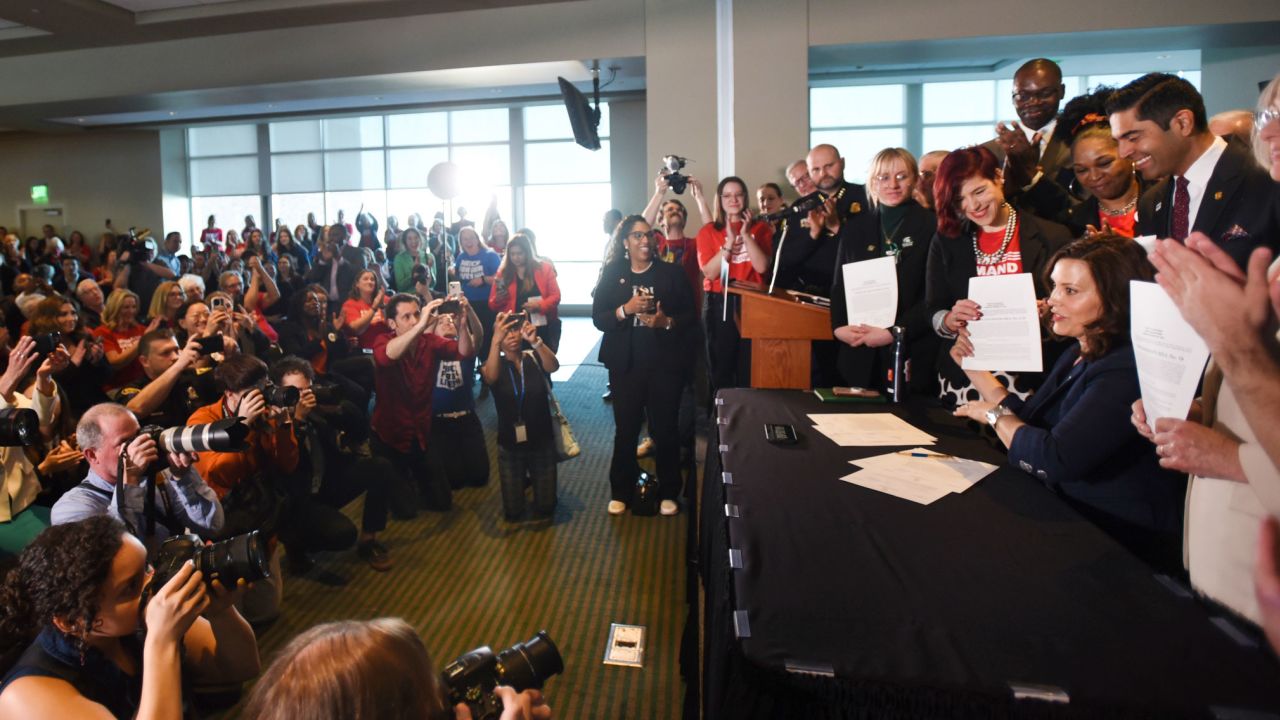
column 617, row 507
column 669, row 507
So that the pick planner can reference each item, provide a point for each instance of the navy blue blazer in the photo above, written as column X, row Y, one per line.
column 1079, row 442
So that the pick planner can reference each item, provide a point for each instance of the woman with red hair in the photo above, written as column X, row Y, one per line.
column 980, row 234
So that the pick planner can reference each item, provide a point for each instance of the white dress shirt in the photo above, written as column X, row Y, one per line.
column 1198, row 177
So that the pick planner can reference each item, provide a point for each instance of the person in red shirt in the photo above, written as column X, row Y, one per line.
column 527, row 283
column 737, row 246
column 362, row 310
column 405, row 361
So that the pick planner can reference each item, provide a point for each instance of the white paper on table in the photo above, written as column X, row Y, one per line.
column 1008, row 335
column 1169, row 354
column 851, row 429
column 886, row 482
column 956, row 474
column 871, row 291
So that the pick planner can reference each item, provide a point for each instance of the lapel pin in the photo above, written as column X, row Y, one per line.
column 1159, row 206
column 871, row 248
column 907, row 242
column 1217, row 195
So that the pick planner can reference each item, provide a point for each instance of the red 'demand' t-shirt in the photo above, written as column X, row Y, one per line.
column 1011, row 262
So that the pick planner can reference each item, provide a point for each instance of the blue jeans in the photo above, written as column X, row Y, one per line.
column 539, row 463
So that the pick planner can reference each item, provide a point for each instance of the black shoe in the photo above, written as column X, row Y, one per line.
column 375, row 553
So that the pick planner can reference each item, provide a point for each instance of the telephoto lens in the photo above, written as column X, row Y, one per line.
column 19, row 427
column 472, row 677
column 226, row 435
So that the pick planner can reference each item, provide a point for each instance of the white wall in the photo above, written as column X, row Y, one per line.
column 1229, row 77
column 95, row 175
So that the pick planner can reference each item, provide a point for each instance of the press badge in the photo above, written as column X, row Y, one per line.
column 522, row 435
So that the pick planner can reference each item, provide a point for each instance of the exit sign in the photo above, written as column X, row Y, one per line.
column 40, row 194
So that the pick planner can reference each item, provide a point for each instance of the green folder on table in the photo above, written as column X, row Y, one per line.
column 827, row 396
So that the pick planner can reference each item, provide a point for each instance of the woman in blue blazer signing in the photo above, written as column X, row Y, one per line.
column 1071, row 434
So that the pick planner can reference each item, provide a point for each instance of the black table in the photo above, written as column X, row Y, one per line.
column 846, row 602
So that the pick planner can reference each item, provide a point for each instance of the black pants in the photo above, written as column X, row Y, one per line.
column 456, row 451
column 355, row 375
column 313, row 526
column 413, row 469
column 728, row 355
column 550, row 334
column 638, row 392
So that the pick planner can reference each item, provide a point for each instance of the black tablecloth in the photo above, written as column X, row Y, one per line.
column 907, row 610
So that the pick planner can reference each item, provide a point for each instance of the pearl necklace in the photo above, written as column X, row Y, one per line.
column 995, row 257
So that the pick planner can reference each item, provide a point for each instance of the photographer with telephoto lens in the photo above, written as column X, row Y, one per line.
column 108, row 435
column 95, row 648
column 245, row 479
column 173, row 385
column 388, row 673
column 20, row 519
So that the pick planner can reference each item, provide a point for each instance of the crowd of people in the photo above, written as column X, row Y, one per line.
column 350, row 358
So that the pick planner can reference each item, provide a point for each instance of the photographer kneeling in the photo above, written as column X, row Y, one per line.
column 326, row 477
column 251, row 500
column 76, row 596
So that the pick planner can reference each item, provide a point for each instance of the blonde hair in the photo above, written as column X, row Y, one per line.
column 157, row 308
column 880, row 164
column 111, row 311
column 350, row 669
column 1269, row 99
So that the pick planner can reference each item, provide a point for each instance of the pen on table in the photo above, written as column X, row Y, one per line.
column 939, row 456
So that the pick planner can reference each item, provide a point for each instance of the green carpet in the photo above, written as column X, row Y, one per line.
column 468, row 578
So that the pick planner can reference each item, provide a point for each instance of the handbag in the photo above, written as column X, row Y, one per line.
column 566, row 444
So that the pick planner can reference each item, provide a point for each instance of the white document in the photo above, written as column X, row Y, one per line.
column 1169, row 354
column 868, row 429
column 1148, row 242
column 1008, row 335
column 955, row 474
column 890, row 484
column 871, row 291
column 535, row 318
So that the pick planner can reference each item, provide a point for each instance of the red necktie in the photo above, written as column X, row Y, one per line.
column 1181, row 210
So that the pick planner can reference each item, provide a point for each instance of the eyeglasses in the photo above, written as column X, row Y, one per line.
column 640, row 234
column 1262, row 118
column 1045, row 95
column 900, row 177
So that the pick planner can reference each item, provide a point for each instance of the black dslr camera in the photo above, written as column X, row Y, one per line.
column 46, row 343
column 672, row 165
column 280, row 395
column 227, row 561
column 19, row 427
column 473, row 676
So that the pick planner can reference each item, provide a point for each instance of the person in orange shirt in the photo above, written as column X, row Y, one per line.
column 271, row 448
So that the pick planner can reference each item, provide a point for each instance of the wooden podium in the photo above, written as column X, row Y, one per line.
column 781, row 330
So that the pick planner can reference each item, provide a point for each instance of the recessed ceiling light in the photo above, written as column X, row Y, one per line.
column 1162, row 57
column 170, row 113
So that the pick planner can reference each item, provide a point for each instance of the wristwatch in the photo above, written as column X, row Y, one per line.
column 997, row 412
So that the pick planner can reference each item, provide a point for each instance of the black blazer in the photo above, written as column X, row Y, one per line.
column 952, row 263
column 671, row 288
column 1055, row 163
column 1240, row 209
column 860, row 239
column 1079, row 442
column 803, row 263
column 319, row 274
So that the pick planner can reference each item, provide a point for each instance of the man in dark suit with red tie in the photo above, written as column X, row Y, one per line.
column 1205, row 183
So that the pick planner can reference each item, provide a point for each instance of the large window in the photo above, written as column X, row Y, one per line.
column 561, row 179
column 521, row 163
column 224, row 176
column 861, row 120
